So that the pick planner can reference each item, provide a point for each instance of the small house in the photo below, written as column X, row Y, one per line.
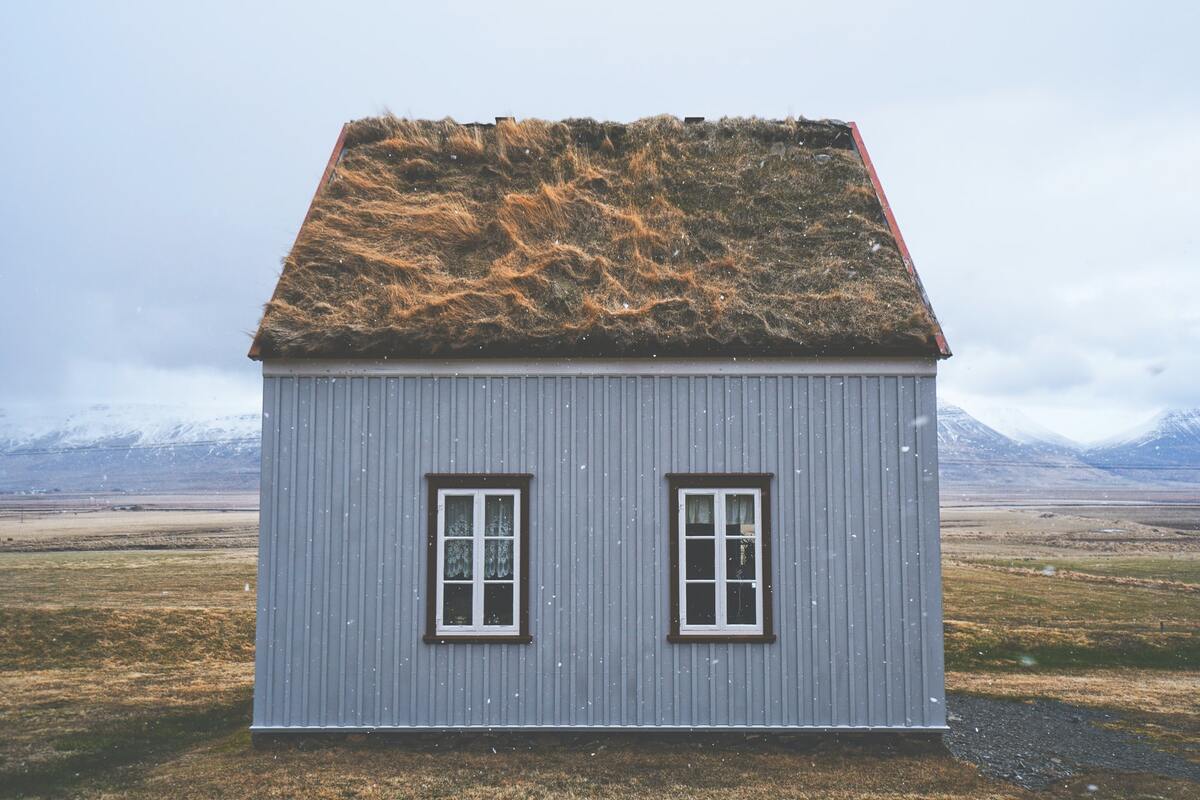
column 586, row 425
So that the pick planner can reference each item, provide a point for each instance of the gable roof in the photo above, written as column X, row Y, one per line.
column 741, row 237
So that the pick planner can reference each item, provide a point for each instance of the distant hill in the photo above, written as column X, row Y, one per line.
column 1167, row 449
column 1165, row 453
column 158, row 448
column 973, row 455
column 133, row 448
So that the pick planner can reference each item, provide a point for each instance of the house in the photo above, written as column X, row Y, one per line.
column 606, row 426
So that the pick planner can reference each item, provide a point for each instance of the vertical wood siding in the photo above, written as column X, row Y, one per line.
column 856, row 574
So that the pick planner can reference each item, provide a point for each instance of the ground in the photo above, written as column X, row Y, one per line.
column 1073, row 653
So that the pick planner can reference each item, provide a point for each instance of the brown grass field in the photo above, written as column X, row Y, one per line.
column 128, row 673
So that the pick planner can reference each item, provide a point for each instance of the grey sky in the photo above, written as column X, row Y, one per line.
column 1043, row 163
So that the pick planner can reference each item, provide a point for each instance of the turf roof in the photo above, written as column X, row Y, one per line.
column 582, row 238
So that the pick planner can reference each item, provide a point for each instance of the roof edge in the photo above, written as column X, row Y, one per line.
column 943, row 347
column 916, row 366
column 339, row 147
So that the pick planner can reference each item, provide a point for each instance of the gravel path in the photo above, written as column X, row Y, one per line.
column 1034, row 744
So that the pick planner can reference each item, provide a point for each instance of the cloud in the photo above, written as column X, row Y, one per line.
column 1057, row 241
column 1042, row 160
column 203, row 388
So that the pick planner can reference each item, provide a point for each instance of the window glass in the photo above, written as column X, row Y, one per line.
column 701, row 563
column 499, row 516
column 497, row 559
column 740, row 603
column 739, row 559
column 457, row 563
column 701, row 604
column 720, row 542
column 699, row 510
column 456, row 603
column 739, row 515
column 498, row 604
column 460, row 516
column 480, row 558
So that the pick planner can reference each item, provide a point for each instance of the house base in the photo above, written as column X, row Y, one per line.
column 907, row 739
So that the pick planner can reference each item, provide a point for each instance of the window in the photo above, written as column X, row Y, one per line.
column 478, row 558
column 720, row 558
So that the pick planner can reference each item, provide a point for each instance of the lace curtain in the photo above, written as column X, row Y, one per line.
column 497, row 560
column 498, row 517
column 458, row 559
column 460, row 513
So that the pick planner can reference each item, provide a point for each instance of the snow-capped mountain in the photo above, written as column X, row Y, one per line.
column 127, row 448
column 162, row 448
column 1014, row 424
column 1167, row 448
column 972, row 454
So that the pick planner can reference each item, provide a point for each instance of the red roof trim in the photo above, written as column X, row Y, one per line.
column 943, row 348
column 326, row 176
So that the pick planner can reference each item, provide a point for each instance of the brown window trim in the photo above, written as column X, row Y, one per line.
column 487, row 480
column 720, row 480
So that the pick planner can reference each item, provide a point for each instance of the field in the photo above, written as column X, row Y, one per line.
column 126, row 649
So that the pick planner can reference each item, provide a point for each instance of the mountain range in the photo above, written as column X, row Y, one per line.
column 140, row 448
column 1163, row 453
column 128, row 448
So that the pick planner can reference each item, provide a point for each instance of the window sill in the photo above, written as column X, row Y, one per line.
column 721, row 638
column 477, row 638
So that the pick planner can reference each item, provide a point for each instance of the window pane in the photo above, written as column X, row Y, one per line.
column 701, row 559
column 456, row 565
column 498, row 604
column 739, row 559
column 701, row 604
column 460, row 516
column 699, row 511
column 456, row 604
column 498, row 516
column 739, row 515
column 739, row 603
column 497, row 559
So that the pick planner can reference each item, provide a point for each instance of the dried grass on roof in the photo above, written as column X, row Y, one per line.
column 738, row 237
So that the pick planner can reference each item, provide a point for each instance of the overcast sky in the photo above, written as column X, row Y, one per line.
column 1043, row 161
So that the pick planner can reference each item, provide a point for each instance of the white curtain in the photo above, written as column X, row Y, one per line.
column 699, row 509
column 739, row 511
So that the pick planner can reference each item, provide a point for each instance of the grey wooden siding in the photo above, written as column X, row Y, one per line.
column 857, row 593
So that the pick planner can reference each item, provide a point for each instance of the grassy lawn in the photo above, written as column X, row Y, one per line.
column 130, row 579
column 1016, row 621
column 130, row 674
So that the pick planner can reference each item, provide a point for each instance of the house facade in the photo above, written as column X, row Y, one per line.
column 582, row 518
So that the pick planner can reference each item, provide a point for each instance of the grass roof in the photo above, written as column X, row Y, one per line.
column 585, row 238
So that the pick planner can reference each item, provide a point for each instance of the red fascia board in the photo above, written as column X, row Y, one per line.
column 326, row 176
column 943, row 348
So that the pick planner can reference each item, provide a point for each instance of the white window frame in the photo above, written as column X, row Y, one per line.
column 719, row 537
column 477, row 560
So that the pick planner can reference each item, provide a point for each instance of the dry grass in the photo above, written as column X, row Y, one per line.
column 1013, row 620
column 109, row 688
column 61, row 713
column 77, row 637
column 587, row 238
column 130, row 579
column 597, row 769
column 986, row 596
column 992, row 533
column 1152, row 691
column 54, row 529
column 1179, row 573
